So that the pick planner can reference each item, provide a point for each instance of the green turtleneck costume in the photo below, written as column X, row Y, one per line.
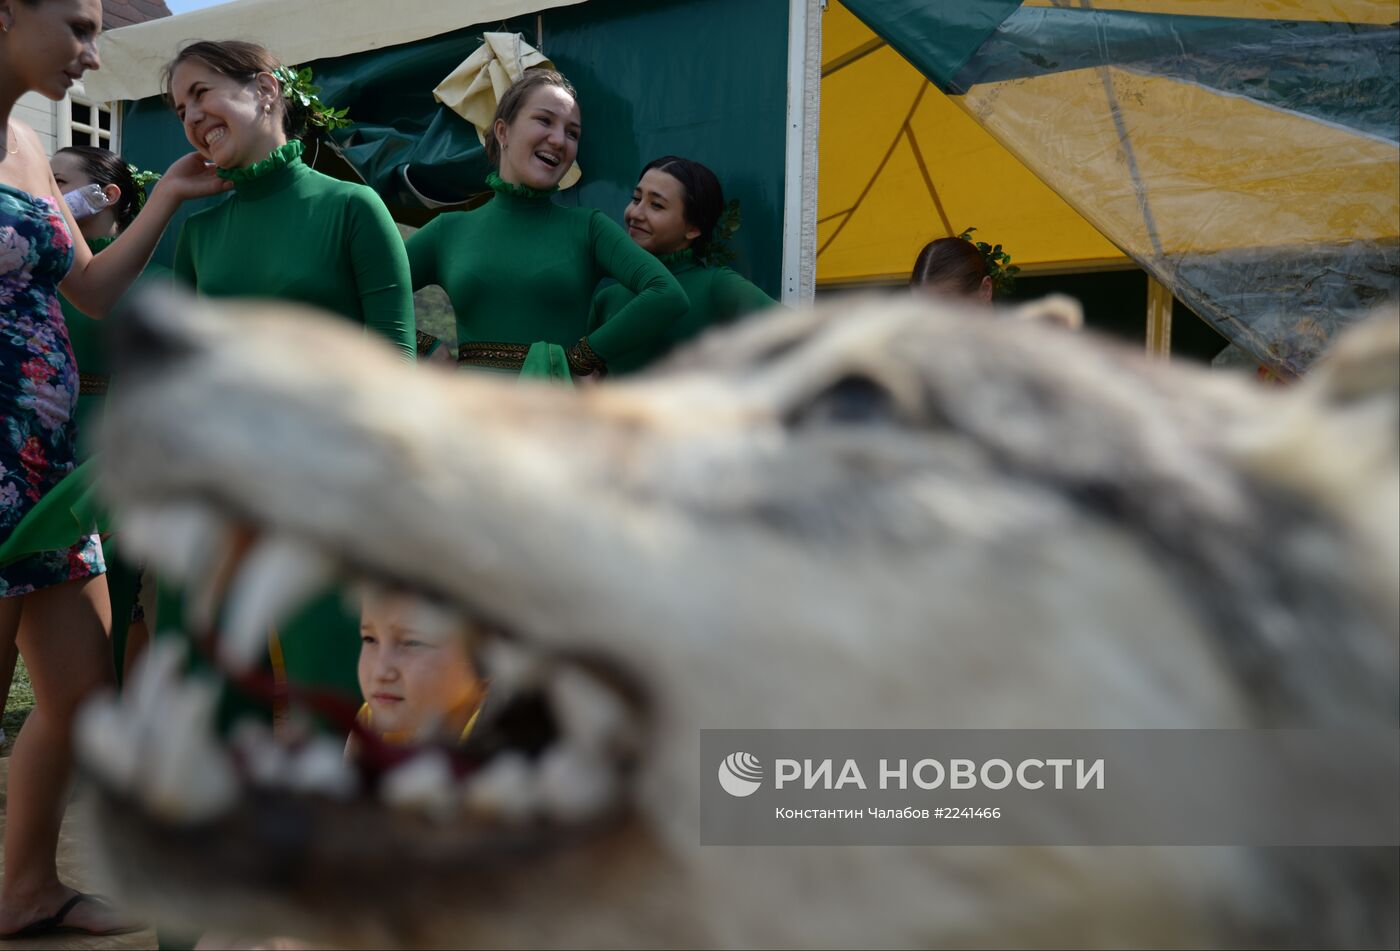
column 85, row 336
column 89, row 352
column 290, row 232
column 717, row 296
column 521, row 270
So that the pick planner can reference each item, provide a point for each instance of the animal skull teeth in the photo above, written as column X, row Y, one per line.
column 553, row 745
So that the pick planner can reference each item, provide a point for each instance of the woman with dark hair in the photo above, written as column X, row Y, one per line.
column 54, row 603
column 521, row 270
column 952, row 267
column 287, row 232
column 76, row 168
column 673, row 213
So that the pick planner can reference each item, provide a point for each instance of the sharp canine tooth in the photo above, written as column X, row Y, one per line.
column 170, row 537
column 190, row 778
column 511, row 670
column 105, row 742
column 276, row 576
column 321, row 768
column 265, row 759
column 573, row 784
column 151, row 680
column 146, row 700
column 214, row 564
column 505, row 789
column 588, row 712
column 510, row 667
column 140, row 531
column 424, row 783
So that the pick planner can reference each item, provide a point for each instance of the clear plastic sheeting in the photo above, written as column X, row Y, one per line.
column 1250, row 165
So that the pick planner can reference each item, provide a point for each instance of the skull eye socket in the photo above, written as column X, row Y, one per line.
column 853, row 400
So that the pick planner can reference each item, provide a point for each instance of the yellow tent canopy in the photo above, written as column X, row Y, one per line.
column 1244, row 155
column 901, row 165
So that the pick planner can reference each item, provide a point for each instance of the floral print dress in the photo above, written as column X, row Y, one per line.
column 38, row 386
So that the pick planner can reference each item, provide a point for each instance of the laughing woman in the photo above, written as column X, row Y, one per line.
column 287, row 231
column 522, row 270
column 672, row 214
column 54, row 603
column 292, row 233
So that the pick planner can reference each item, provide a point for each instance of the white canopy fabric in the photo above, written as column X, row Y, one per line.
column 297, row 31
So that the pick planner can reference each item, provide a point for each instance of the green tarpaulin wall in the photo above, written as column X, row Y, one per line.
column 722, row 103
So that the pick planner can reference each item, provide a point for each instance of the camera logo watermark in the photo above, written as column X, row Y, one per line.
column 741, row 774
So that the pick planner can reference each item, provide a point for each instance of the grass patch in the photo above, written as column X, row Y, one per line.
column 20, row 702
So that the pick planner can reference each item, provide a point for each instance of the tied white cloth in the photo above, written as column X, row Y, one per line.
column 473, row 89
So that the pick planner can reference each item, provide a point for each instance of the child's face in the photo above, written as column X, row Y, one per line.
column 414, row 670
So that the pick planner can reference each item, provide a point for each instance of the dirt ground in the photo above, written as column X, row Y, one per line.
column 74, row 868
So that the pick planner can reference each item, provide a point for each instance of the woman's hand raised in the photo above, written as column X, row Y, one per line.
column 192, row 177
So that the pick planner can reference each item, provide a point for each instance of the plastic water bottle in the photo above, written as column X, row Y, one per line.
column 86, row 201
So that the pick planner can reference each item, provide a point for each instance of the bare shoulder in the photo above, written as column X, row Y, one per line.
column 26, row 140
column 26, row 164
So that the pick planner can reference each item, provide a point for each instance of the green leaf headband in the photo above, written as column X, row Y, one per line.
column 145, row 181
column 718, row 253
column 999, row 267
column 298, row 89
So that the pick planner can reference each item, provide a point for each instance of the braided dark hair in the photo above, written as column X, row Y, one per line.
column 106, row 167
column 704, row 197
column 241, row 61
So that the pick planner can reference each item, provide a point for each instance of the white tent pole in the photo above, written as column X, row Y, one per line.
column 800, row 178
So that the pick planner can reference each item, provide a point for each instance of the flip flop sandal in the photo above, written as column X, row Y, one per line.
column 53, row 924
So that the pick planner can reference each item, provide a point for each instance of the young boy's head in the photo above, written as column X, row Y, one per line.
column 415, row 674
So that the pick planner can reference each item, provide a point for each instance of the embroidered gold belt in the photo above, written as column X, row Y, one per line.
column 93, row 384
column 497, row 356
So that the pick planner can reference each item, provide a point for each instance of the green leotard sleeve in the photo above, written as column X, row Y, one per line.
column 606, row 303
column 659, row 299
column 382, row 275
column 422, row 248
column 735, row 297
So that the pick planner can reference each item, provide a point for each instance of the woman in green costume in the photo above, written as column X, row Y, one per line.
column 75, row 168
column 673, row 213
column 286, row 232
column 521, row 270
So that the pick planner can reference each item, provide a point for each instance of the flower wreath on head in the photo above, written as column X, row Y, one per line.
column 297, row 88
column 717, row 253
column 999, row 267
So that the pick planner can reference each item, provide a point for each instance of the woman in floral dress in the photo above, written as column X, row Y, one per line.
column 53, row 603
column 38, row 384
